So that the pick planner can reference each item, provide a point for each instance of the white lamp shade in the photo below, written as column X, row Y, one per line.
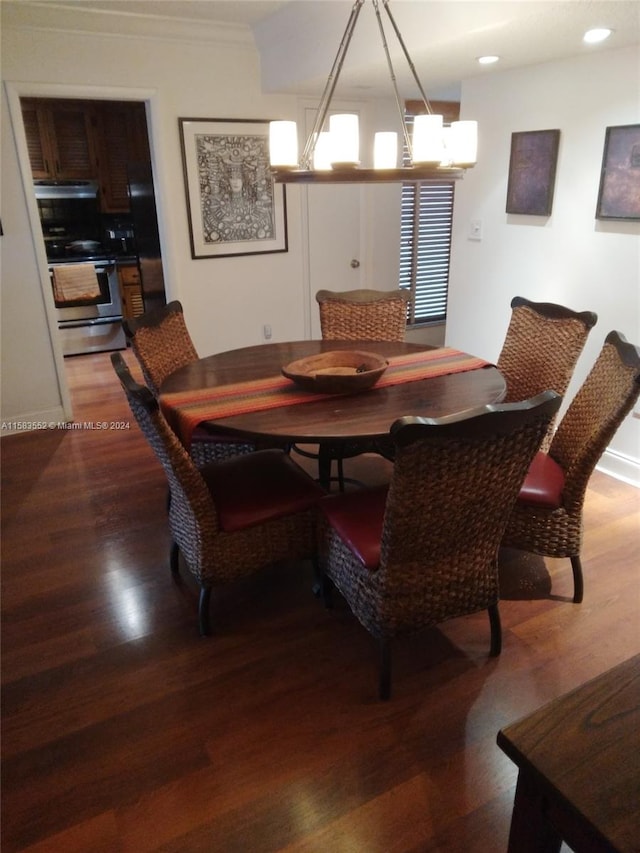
column 463, row 144
column 345, row 138
column 385, row 150
column 322, row 152
column 283, row 144
column 427, row 143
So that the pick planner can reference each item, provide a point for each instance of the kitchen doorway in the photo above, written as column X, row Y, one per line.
column 97, row 150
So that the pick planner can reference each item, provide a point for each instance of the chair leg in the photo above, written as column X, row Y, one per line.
column 578, row 582
column 204, row 619
column 384, row 688
column 174, row 560
column 496, row 630
column 340, row 474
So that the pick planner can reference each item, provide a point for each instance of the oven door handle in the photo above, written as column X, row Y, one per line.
column 98, row 321
column 107, row 267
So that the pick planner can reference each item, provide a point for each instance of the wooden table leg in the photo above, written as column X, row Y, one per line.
column 530, row 831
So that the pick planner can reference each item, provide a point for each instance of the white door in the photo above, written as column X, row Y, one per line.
column 334, row 240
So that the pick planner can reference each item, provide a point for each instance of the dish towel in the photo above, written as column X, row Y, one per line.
column 186, row 409
column 75, row 283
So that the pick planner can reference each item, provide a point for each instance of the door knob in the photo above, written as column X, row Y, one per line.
column 355, row 263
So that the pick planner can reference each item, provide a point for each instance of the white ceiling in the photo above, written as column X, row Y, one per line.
column 298, row 39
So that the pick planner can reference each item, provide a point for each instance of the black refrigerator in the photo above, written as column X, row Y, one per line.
column 145, row 226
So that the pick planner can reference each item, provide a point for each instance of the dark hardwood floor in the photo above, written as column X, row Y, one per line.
column 123, row 730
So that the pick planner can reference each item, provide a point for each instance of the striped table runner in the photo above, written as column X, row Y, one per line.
column 186, row 409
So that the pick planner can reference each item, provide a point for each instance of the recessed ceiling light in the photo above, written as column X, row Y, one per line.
column 596, row 35
column 488, row 60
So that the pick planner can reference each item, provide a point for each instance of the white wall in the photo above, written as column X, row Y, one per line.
column 569, row 257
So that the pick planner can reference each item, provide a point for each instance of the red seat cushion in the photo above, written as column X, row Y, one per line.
column 258, row 487
column 357, row 518
column 544, row 483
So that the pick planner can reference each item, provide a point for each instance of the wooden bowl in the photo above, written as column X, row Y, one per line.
column 337, row 372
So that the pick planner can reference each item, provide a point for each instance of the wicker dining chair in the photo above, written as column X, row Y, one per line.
column 425, row 550
column 541, row 347
column 161, row 343
column 230, row 518
column 547, row 518
column 357, row 315
column 363, row 315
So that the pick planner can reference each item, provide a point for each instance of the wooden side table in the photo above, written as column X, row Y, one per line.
column 579, row 768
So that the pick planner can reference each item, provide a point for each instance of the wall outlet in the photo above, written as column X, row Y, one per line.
column 266, row 331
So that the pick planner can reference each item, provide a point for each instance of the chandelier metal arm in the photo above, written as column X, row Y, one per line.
column 429, row 159
column 385, row 3
column 403, row 124
column 330, row 86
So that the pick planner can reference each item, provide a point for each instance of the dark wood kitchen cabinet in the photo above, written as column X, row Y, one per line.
column 121, row 138
column 87, row 140
column 60, row 139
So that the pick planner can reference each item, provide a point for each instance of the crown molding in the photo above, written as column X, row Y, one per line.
column 66, row 18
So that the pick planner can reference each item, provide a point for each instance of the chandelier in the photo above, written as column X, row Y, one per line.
column 435, row 152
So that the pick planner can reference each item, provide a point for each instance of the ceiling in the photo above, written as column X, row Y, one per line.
column 298, row 39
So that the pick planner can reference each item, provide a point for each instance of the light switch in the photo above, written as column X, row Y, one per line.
column 475, row 229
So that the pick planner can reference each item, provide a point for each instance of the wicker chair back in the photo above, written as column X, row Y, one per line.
column 453, row 485
column 363, row 315
column 161, row 342
column 603, row 401
column 452, row 488
column 359, row 315
column 601, row 404
column 541, row 348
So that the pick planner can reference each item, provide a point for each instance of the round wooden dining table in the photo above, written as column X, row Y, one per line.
column 364, row 416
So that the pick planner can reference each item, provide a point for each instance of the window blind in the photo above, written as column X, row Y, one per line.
column 425, row 247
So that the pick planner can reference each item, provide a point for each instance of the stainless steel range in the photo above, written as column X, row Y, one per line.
column 90, row 321
column 82, row 270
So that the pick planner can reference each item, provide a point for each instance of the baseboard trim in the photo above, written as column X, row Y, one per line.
column 49, row 419
column 620, row 466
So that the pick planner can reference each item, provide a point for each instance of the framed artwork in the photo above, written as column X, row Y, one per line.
column 619, row 193
column 532, row 172
column 234, row 206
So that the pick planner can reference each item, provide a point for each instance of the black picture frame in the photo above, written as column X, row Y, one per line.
column 532, row 172
column 234, row 206
column 619, row 190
